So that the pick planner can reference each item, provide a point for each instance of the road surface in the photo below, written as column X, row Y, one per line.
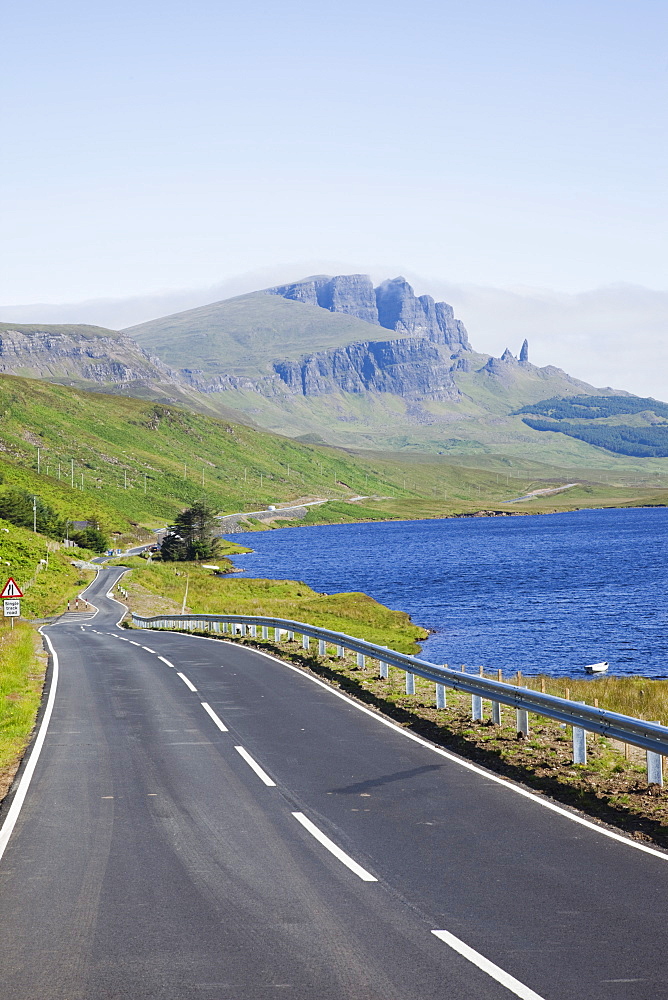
column 207, row 823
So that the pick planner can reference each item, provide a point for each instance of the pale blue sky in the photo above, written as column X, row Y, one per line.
column 154, row 145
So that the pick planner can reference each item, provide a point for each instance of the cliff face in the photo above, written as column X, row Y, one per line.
column 413, row 368
column 401, row 310
column 92, row 354
column 392, row 305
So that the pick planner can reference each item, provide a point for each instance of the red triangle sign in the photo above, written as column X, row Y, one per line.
column 11, row 589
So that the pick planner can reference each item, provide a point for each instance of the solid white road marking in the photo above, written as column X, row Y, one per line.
column 148, row 650
column 24, row 784
column 186, row 681
column 333, row 848
column 262, row 775
column 221, row 725
column 512, row 984
column 167, row 662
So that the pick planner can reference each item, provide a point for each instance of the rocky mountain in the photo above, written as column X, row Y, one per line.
column 330, row 356
column 392, row 305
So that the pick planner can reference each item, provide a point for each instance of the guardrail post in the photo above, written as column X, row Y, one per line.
column 496, row 713
column 410, row 682
column 306, row 642
column 253, row 629
column 522, row 721
column 476, row 707
column 654, row 767
column 291, row 635
column 243, row 630
column 441, row 698
column 340, row 650
column 361, row 661
column 216, row 627
column 322, row 647
column 265, row 631
column 382, row 669
column 579, row 743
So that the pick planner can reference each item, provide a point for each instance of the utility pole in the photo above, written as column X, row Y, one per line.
column 58, row 471
column 245, row 475
column 72, row 473
column 34, row 514
column 202, row 475
column 144, row 482
column 185, row 470
column 125, row 478
column 82, row 480
column 38, row 461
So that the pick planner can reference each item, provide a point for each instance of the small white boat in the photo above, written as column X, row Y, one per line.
column 596, row 668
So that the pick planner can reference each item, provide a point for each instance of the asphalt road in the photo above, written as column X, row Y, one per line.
column 221, row 826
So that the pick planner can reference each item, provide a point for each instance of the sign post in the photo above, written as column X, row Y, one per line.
column 11, row 594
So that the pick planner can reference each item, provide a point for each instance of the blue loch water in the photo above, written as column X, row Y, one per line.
column 542, row 593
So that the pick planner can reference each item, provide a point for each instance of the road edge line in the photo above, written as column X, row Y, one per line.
column 14, row 810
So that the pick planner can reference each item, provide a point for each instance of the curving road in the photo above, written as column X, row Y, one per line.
column 207, row 823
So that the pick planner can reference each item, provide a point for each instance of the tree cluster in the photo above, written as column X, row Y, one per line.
column 593, row 407
column 641, row 442
column 191, row 538
column 27, row 511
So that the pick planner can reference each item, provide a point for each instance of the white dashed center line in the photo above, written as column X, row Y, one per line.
column 167, row 662
column 262, row 775
column 344, row 858
column 148, row 650
column 134, row 643
column 221, row 725
column 512, row 984
column 185, row 680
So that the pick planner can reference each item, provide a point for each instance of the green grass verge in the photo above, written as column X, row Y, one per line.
column 22, row 670
column 355, row 614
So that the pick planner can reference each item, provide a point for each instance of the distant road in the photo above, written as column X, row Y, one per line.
column 542, row 493
column 268, row 514
column 207, row 823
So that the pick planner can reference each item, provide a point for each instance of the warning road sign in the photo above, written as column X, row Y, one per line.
column 11, row 589
column 12, row 608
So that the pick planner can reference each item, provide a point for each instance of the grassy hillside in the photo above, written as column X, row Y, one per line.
column 42, row 568
column 124, row 462
column 127, row 463
column 243, row 335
